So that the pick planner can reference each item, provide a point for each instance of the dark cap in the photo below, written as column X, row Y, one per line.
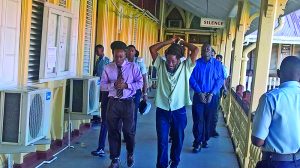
column 118, row 45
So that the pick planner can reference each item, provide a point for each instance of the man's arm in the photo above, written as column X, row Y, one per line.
column 105, row 82
column 137, row 79
column 145, row 83
column 262, row 121
column 95, row 68
column 257, row 141
column 219, row 81
column 193, row 81
column 144, row 74
column 194, row 50
column 156, row 47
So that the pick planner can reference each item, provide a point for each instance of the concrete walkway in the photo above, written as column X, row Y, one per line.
column 220, row 153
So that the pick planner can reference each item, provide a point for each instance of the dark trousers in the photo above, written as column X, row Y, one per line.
column 177, row 121
column 203, row 118
column 137, row 100
column 278, row 164
column 120, row 111
column 103, row 130
column 216, row 114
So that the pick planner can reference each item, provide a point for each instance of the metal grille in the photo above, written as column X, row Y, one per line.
column 135, row 25
column 67, row 97
column 35, row 40
column 35, row 116
column 92, row 95
column 77, row 97
column 63, row 3
column 11, row 117
column 88, row 37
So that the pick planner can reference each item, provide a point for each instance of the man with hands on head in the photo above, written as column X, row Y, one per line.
column 172, row 96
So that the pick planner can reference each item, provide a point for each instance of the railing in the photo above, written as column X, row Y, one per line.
column 2, row 161
column 239, row 123
column 273, row 83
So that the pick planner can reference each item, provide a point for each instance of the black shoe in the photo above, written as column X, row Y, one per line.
column 100, row 153
column 215, row 134
column 197, row 149
column 130, row 160
column 204, row 145
column 114, row 164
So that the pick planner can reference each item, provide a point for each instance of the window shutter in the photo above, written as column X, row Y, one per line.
column 10, row 13
column 88, row 38
column 35, row 40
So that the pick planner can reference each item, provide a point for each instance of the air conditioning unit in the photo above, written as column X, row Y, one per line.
column 84, row 95
column 24, row 115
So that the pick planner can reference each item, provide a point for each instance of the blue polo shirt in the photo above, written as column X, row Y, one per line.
column 277, row 119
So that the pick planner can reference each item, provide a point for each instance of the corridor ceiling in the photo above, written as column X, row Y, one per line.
column 222, row 9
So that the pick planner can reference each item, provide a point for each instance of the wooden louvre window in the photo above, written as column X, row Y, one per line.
column 35, row 40
column 88, row 38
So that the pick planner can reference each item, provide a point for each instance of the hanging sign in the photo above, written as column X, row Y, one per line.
column 212, row 23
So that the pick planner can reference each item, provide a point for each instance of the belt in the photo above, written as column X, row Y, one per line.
column 280, row 157
column 121, row 100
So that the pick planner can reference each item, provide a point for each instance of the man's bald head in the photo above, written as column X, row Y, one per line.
column 290, row 69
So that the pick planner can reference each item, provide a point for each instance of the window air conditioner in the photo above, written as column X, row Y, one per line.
column 24, row 115
column 84, row 95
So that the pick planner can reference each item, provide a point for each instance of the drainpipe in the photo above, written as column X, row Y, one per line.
column 245, row 58
column 162, row 20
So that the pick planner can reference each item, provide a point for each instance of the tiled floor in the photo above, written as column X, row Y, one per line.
column 220, row 153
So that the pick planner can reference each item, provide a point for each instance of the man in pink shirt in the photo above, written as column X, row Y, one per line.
column 121, row 78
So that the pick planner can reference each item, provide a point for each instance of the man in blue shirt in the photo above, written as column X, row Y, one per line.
column 206, row 81
column 101, row 62
column 276, row 125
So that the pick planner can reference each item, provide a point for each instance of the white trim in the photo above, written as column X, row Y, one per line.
column 276, row 39
column 7, row 85
column 68, row 76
